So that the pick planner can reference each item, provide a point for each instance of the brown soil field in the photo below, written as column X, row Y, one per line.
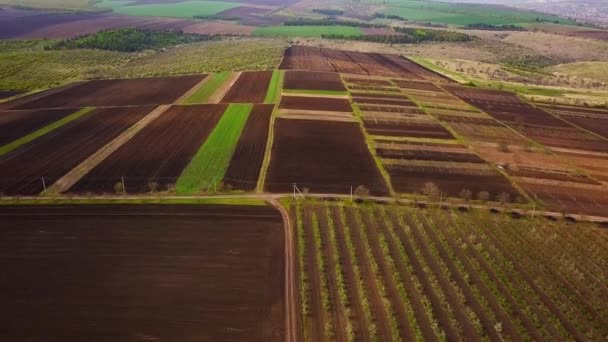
column 405, row 129
column 5, row 94
column 417, row 85
column 312, row 154
column 356, row 94
column 383, row 101
column 374, row 88
column 421, row 154
column 307, row 80
column 251, row 87
column 315, row 103
column 368, row 81
column 244, row 168
column 348, row 62
column 158, row 153
column 389, row 109
column 217, row 27
column 56, row 153
column 15, row 124
column 450, row 181
column 568, row 197
column 142, row 272
column 592, row 120
column 122, row 92
column 251, row 16
column 19, row 23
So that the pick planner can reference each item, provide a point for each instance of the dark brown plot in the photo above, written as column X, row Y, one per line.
column 570, row 199
column 15, row 124
column 244, row 168
column 251, row 87
column 133, row 272
column 428, row 155
column 384, row 101
column 594, row 120
column 123, row 92
column 251, row 16
column 156, row 156
column 417, row 85
column 307, row 80
column 58, row 152
column 5, row 94
column 450, row 181
column 405, row 129
column 305, row 58
column 315, row 103
column 324, row 156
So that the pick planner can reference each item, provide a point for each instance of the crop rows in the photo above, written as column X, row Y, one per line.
column 395, row 273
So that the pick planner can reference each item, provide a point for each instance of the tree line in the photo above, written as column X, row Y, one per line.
column 407, row 36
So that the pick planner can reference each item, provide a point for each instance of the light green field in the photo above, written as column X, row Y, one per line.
column 188, row 9
column 206, row 170
column 273, row 94
column 593, row 70
column 463, row 14
column 306, row 31
column 42, row 131
column 202, row 95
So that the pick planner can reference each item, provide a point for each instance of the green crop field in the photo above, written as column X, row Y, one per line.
column 274, row 89
column 463, row 14
column 206, row 170
column 203, row 94
column 188, row 9
column 306, row 31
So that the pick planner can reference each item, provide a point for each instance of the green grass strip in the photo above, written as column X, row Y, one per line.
column 203, row 94
column 206, row 170
column 274, row 89
column 318, row 92
column 44, row 130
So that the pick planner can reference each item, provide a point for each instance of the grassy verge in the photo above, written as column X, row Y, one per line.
column 44, row 130
column 274, row 89
column 203, row 93
column 151, row 200
column 317, row 92
column 307, row 31
column 206, row 170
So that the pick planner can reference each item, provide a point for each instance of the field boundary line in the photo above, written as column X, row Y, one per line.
column 68, row 180
column 44, row 130
column 224, row 88
column 268, row 150
column 182, row 99
column 290, row 306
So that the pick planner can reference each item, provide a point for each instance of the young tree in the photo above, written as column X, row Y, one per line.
column 153, row 186
column 362, row 191
column 431, row 190
column 466, row 194
column 483, row 196
column 119, row 188
column 503, row 198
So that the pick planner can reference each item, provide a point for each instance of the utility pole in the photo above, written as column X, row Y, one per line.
column 351, row 193
column 43, row 185
column 124, row 189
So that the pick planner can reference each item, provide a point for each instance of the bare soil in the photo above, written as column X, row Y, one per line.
column 15, row 124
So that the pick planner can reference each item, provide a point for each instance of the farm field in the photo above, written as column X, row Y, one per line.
column 182, row 9
column 306, row 80
column 592, row 119
column 56, row 153
column 391, row 273
column 315, row 103
column 207, row 168
column 202, row 94
column 244, row 168
column 153, row 160
column 307, row 31
column 250, row 87
column 171, row 272
column 311, row 154
column 125, row 92
column 15, row 124
column 375, row 64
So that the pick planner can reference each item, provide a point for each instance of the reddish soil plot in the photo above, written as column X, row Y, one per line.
column 342, row 62
column 405, row 129
column 570, row 199
column 375, row 88
column 383, row 101
column 460, row 157
column 469, row 120
column 244, row 168
column 251, row 87
column 133, row 272
column 305, row 58
column 5, row 94
column 58, row 152
column 324, row 156
column 19, row 23
column 156, row 156
column 593, row 120
column 599, row 35
column 307, row 80
column 377, row 95
column 385, row 109
column 417, row 85
column 251, row 16
column 450, row 180
column 15, row 124
column 315, row 103
column 218, row 27
column 368, row 82
column 123, row 92
column 368, row 63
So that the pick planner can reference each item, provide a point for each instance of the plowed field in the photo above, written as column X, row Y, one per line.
column 251, row 87
column 307, row 80
column 313, row 154
column 142, row 272
column 58, row 152
column 124, row 92
column 19, row 123
column 244, row 168
column 156, row 156
column 315, row 103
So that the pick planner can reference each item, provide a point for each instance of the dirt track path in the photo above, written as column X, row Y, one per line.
column 290, row 301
